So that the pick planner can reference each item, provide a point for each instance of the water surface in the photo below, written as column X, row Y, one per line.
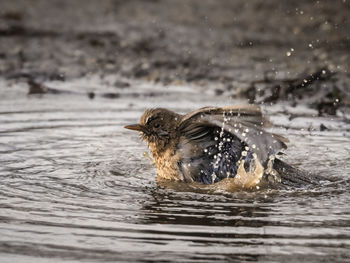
column 76, row 186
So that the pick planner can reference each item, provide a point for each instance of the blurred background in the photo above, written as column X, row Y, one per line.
column 175, row 41
column 232, row 46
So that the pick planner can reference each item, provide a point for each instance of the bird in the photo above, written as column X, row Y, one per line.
column 226, row 147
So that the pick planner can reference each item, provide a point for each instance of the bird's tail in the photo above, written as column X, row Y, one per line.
column 294, row 177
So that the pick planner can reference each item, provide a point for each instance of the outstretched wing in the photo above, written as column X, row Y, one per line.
column 244, row 122
column 214, row 139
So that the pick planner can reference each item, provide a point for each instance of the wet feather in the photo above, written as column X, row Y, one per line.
column 213, row 145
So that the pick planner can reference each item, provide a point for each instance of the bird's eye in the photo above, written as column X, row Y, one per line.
column 156, row 125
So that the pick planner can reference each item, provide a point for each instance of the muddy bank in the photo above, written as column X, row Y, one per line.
column 229, row 46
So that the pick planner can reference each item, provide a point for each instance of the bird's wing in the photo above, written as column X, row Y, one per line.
column 204, row 159
column 243, row 122
column 252, row 111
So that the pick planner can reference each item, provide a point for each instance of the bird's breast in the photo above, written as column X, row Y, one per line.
column 167, row 162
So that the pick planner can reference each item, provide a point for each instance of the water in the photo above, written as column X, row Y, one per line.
column 76, row 186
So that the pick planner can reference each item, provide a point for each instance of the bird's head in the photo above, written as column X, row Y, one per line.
column 157, row 127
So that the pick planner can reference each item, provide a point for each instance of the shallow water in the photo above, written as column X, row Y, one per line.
column 75, row 186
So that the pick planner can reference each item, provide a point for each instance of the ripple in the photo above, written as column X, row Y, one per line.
column 75, row 186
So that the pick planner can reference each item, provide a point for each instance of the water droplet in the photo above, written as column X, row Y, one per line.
column 213, row 176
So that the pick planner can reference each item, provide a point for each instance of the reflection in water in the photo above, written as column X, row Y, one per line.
column 76, row 186
column 205, row 210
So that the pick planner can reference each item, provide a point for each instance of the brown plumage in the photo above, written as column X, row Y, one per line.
column 215, row 145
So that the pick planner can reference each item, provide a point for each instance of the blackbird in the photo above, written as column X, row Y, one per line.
column 218, row 145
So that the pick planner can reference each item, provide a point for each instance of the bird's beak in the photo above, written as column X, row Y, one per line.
column 136, row 127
